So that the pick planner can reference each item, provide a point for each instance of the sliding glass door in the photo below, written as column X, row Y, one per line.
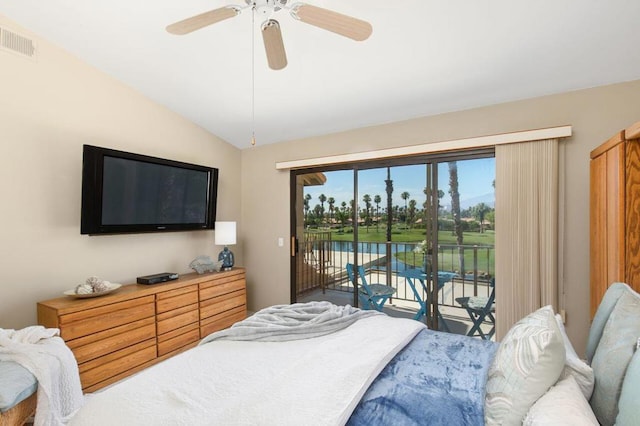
column 319, row 221
column 402, row 226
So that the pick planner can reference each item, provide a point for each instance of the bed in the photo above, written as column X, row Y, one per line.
column 378, row 370
column 335, row 378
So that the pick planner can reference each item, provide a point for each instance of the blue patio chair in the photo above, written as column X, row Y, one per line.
column 418, row 274
column 371, row 296
column 481, row 309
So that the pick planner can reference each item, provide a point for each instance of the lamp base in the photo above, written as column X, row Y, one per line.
column 226, row 256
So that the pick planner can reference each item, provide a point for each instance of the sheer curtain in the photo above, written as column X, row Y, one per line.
column 526, row 230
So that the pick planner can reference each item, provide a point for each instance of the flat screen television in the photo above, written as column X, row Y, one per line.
column 124, row 192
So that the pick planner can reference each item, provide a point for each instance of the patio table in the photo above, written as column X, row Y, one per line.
column 417, row 274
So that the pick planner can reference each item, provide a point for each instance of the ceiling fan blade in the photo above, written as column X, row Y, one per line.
column 335, row 22
column 199, row 21
column 274, row 45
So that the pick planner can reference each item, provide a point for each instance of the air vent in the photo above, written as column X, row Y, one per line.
column 15, row 43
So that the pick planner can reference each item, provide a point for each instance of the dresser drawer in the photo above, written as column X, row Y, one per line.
column 107, row 366
column 177, row 318
column 96, row 337
column 104, row 309
column 174, row 299
column 105, row 317
column 222, row 320
column 219, row 287
column 222, row 303
column 178, row 338
column 113, row 342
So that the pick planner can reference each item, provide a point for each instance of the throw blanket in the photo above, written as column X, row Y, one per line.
column 315, row 381
column 281, row 323
column 438, row 379
column 48, row 358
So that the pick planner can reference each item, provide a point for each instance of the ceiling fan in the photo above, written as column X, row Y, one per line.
column 326, row 19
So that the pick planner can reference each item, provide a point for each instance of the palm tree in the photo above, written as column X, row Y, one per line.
column 331, row 202
column 307, row 198
column 352, row 206
column 322, row 199
column 405, row 196
column 455, row 210
column 317, row 211
column 377, row 199
column 367, row 203
column 388, row 183
column 479, row 212
column 411, row 215
column 343, row 214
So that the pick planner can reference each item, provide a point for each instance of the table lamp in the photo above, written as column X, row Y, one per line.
column 225, row 235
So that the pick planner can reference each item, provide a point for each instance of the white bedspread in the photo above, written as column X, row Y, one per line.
column 316, row 381
column 48, row 358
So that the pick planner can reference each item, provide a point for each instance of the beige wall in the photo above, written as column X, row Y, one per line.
column 49, row 108
column 595, row 115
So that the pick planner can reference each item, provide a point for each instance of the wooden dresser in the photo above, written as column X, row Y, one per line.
column 615, row 213
column 116, row 335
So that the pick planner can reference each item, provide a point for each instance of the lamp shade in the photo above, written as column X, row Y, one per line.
column 225, row 233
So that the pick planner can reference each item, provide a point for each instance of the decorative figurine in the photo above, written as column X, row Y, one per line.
column 202, row 264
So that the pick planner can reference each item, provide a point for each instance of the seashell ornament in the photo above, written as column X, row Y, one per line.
column 98, row 284
column 101, row 286
column 92, row 281
column 84, row 289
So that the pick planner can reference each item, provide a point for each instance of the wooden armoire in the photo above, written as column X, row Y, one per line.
column 615, row 213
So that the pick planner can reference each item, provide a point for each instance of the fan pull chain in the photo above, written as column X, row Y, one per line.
column 253, row 77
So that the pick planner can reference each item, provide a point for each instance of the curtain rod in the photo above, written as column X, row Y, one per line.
column 456, row 144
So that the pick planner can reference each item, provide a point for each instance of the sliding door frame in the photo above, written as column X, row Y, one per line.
column 432, row 158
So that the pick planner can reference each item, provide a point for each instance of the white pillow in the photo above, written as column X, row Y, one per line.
column 574, row 366
column 563, row 404
column 612, row 356
column 527, row 363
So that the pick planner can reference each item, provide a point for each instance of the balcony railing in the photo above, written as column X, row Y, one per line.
column 323, row 266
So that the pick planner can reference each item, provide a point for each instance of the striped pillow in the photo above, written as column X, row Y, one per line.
column 528, row 362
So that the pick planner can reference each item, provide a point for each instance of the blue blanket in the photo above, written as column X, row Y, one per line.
column 437, row 379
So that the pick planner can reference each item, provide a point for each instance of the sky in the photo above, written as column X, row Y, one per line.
column 475, row 179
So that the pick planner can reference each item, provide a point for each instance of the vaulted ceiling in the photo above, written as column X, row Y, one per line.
column 424, row 57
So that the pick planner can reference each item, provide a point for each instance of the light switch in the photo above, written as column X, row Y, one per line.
column 280, row 242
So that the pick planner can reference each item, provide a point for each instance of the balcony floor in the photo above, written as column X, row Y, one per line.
column 456, row 318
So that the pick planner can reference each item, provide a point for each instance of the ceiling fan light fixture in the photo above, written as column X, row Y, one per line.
column 265, row 8
column 273, row 44
column 325, row 19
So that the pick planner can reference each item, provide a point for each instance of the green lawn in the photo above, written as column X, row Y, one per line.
column 448, row 257
column 449, row 261
column 412, row 236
